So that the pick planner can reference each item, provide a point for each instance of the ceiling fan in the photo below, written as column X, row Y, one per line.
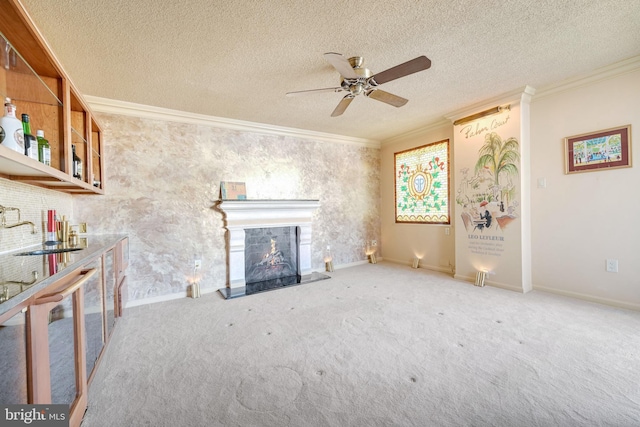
column 358, row 80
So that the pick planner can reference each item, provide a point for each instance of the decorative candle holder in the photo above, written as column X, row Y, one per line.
column 195, row 290
column 480, row 276
column 328, row 266
column 328, row 259
column 372, row 258
column 415, row 263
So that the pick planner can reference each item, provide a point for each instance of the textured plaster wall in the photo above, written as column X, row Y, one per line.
column 162, row 182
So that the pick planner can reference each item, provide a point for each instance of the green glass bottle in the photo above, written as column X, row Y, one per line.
column 30, row 142
column 44, row 150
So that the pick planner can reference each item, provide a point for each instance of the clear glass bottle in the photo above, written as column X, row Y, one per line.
column 77, row 163
column 30, row 142
column 44, row 150
column 11, row 133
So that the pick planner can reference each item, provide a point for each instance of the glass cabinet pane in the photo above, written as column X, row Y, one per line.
column 94, row 316
column 61, row 353
column 21, row 82
column 110, row 277
column 13, row 360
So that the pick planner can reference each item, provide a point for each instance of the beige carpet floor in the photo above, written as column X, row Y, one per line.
column 375, row 345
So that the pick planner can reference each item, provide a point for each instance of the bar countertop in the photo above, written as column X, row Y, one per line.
column 36, row 272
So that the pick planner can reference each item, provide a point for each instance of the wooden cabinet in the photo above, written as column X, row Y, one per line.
column 36, row 83
column 51, row 342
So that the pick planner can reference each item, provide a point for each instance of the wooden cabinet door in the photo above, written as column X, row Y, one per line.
column 58, row 345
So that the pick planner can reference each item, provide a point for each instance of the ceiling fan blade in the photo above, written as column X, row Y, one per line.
column 304, row 92
column 418, row 64
column 387, row 98
column 341, row 64
column 342, row 105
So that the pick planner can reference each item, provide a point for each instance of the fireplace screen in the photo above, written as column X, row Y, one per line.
column 271, row 255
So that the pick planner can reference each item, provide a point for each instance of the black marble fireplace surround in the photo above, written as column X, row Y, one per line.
column 271, row 261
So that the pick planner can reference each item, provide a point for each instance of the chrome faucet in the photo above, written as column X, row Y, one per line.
column 3, row 224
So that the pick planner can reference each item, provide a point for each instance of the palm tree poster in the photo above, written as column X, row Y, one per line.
column 488, row 191
column 422, row 184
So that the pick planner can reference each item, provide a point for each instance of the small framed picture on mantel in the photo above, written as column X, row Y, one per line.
column 233, row 190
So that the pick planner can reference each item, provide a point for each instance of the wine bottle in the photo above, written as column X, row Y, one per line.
column 44, row 150
column 77, row 163
column 11, row 133
column 30, row 142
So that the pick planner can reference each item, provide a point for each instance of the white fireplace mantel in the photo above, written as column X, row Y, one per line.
column 240, row 215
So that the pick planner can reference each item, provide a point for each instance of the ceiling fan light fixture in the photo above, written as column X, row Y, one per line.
column 357, row 80
column 481, row 114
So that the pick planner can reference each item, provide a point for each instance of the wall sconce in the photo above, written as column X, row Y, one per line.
column 480, row 276
column 328, row 260
column 415, row 263
column 481, row 114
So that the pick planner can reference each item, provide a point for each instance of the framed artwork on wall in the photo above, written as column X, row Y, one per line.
column 422, row 184
column 604, row 149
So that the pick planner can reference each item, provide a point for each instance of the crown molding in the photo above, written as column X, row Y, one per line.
column 111, row 106
column 619, row 68
column 515, row 95
column 416, row 133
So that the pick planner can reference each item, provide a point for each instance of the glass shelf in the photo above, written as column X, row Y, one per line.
column 31, row 87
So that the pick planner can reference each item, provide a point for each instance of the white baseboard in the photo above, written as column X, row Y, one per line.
column 446, row 270
column 353, row 264
column 590, row 298
column 203, row 291
column 490, row 283
column 154, row 300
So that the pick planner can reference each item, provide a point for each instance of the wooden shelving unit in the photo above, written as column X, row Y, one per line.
column 37, row 84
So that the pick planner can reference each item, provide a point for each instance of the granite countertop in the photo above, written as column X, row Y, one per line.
column 25, row 268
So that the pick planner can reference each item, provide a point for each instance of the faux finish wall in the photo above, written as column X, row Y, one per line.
column 162, row 182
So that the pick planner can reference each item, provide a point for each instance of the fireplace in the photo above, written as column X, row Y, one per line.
column 271, row 258
column 268, row 244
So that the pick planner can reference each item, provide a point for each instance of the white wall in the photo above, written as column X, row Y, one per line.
column 401, row 242
column 580, row 220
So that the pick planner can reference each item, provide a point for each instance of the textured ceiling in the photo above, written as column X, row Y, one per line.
column 237, row 58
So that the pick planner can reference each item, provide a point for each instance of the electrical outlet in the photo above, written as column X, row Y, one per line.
column 374, row 243
column 83, row 227
column 612, row 265
column 447, row 231
column 197, row 264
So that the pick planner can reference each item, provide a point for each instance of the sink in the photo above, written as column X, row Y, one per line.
column 48, row 251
